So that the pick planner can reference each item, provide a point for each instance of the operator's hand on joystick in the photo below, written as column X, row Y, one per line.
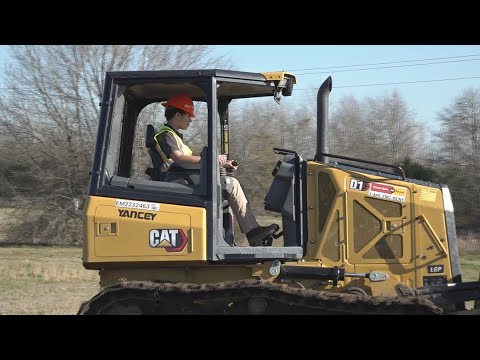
column 227, row 164
column 231, row 164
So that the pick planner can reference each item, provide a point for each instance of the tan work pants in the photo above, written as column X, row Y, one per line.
column 241, row 208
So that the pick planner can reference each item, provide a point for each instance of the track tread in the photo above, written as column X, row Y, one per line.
column 187, row 298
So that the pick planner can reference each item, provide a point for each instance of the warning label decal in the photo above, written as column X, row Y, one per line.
column 380, row 190
column 387, row 192
column 428, row 195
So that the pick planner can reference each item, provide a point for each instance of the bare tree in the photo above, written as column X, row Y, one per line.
column 380, row 129
column 49, row 115
column 348, row 129
column 459, row 146
column 398, row 127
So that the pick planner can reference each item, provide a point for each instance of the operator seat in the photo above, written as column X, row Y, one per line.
column 156, row 173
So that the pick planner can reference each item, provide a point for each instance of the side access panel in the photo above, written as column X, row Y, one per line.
column 431, row 247
column 122, row 230
column 325, row 214
column 352, row 224
column 379, row 221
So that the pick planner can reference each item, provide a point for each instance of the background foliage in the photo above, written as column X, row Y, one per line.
column 49, row 114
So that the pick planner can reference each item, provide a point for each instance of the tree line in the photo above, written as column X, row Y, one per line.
column 49, row 114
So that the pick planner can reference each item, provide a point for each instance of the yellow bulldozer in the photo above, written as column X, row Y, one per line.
column 357, row 236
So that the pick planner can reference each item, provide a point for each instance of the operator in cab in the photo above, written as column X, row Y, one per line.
column 179, row 112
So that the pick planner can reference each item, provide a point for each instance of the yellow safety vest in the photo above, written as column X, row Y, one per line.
column 183, row 148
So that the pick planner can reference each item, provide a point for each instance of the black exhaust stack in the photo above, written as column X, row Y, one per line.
column 322, row 119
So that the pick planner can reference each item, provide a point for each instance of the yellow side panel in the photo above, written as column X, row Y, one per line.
column 116, row 233
column 368, row 223
column 379, row 225
column 326, row 229
column 431, row 247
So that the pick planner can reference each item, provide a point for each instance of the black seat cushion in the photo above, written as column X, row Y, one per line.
column 156, row 172
column 150, row 136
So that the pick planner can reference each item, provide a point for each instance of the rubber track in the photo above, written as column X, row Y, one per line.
column 165, row 298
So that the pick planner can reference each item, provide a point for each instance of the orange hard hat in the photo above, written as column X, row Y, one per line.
column 182, row 102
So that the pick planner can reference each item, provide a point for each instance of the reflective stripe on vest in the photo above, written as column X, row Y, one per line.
column 183, row 148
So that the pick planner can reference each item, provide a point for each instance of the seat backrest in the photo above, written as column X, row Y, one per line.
column 156, row 173
column 150, row 136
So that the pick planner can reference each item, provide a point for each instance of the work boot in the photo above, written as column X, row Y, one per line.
column 257, row 235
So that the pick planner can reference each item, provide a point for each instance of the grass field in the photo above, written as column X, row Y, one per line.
column 49, row 280
column 44, row 280
column 470, row 265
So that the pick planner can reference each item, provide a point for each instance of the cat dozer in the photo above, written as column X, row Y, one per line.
column 356, row 236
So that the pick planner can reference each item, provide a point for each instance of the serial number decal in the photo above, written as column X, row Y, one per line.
column 141, row 205
column 434, row 280
column 379, row 190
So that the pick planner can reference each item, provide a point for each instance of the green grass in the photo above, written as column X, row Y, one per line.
column 470, row 266
column 52, row 280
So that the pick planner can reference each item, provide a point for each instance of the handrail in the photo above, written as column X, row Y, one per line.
column 396, row 167
column 432, row 232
